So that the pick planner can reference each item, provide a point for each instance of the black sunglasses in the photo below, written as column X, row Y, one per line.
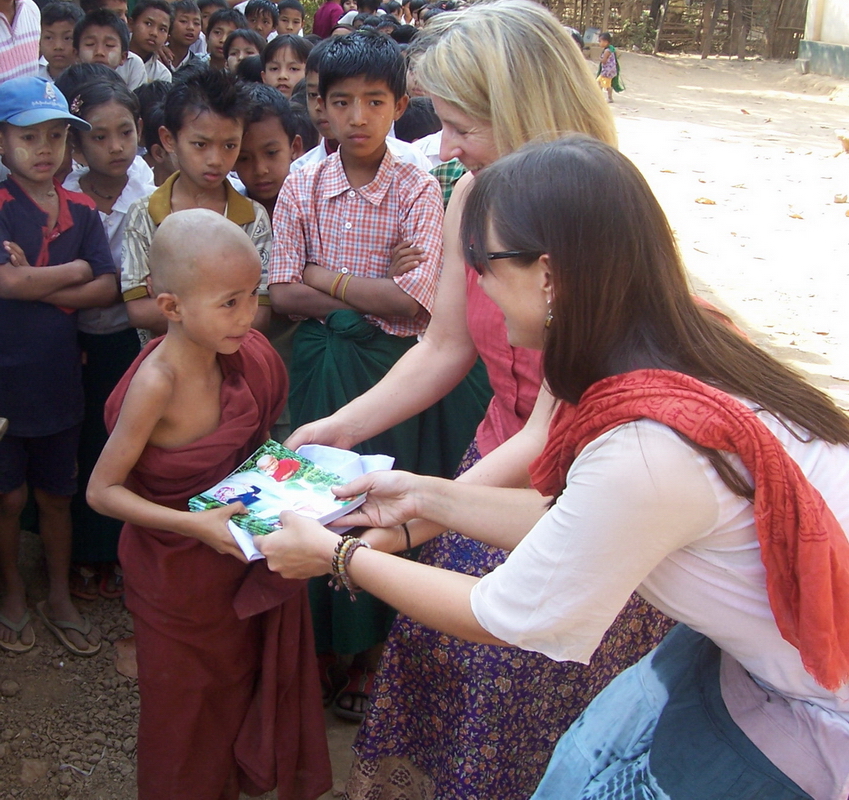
column 470, row 256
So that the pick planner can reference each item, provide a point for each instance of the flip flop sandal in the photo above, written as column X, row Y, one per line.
column 360, row 685
column 17, row 628
column 83, row 583
column 58, row 628
column 111, row 582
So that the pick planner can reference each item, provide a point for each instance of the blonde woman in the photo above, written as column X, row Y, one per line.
column 449, row 719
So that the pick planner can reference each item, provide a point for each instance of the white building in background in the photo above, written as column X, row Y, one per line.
column 825, row 46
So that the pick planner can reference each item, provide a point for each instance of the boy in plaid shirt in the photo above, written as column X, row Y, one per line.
column 336, row 224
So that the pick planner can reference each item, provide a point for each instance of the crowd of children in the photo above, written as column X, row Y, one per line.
column 145, row 170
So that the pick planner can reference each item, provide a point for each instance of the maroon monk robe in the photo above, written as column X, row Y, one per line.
column 229, row 689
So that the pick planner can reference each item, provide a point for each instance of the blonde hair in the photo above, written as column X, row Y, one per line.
column 513, row 65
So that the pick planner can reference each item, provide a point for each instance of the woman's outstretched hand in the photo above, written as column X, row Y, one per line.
column 302, row 548
column 321, row 431
column 393, row 498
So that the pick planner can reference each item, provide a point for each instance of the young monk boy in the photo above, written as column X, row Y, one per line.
column 227, row 678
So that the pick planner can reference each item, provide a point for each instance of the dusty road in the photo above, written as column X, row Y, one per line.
column 771, row 247
column 757, row 141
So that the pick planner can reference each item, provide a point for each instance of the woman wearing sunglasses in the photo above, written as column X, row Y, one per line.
column 682, row 462
column 450, row 719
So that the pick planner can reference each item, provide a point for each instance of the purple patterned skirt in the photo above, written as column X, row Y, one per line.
column 452, row 720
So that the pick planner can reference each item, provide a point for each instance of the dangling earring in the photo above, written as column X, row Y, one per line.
column 549, row 317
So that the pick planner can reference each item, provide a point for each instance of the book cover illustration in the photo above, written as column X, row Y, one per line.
column 276, row 479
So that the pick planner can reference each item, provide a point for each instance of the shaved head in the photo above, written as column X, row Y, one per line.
column 191, row 246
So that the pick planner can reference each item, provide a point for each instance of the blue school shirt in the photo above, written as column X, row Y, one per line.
column 41, row 389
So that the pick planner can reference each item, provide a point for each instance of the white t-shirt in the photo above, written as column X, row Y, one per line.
column 643, row 511
column 139, row 184
column 430, row 146
column 133, row 71
column 403, row 150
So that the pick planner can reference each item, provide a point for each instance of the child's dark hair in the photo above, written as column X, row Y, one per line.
column 92, row 5
column 102, row 18
column 223, row 5
column 306, row 130
column 159, row 5
column 255, row 7
column 315, row 55
column 267, row 102
column 391, row 7
column 189, row 70
column 61, row 11
column 230, row 15
column 372, row 21
column 96, row 93
column 185, row 7
column 299, row 92
column 153, row 118
column 77, row 75
column 404, row 34
column 250, row 70
column 294, row 5
column 368, row 6
column 361, row 18
column 205, row 90
column 243, row 33
column 363, row 54
column 605, row 37
column 296, row 44
column 150, row 93
column 418, row 120
column 417, row 5
column 439, row 7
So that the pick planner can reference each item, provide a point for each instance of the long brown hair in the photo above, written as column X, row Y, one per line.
column 621, row 299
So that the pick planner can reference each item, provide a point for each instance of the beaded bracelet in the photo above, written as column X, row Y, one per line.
column 339, row 565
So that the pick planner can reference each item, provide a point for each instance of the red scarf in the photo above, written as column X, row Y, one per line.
column 803, row 547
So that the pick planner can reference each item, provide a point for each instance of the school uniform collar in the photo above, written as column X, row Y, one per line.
column 239, row 208
column 64, row 221
column 336, row 181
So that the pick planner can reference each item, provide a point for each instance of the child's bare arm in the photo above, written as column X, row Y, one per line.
column 144, row 406
column 262, row 319
column 379, row 296
column 144, row 313
column 301, row 300
column 98, row 293
column 20, row 281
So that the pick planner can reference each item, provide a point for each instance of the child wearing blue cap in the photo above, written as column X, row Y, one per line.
column 54, row 260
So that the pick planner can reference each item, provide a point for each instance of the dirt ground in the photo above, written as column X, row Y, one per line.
column 743, row 159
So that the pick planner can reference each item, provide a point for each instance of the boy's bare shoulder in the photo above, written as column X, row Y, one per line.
column 153, row 384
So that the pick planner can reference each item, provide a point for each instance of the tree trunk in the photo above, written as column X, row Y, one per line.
column 707, row 42
column 746, row 16
column 588, row 10
column 659, row 28
column 736, row 15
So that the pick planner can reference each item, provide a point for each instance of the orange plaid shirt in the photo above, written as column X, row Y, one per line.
column 321, row 219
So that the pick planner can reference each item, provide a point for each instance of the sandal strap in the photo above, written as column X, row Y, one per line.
column 17, row 627
column 65, row 625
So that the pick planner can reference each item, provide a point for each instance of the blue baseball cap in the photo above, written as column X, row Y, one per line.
column 31, row 100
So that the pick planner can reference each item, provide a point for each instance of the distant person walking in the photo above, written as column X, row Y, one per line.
column 608, row 69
